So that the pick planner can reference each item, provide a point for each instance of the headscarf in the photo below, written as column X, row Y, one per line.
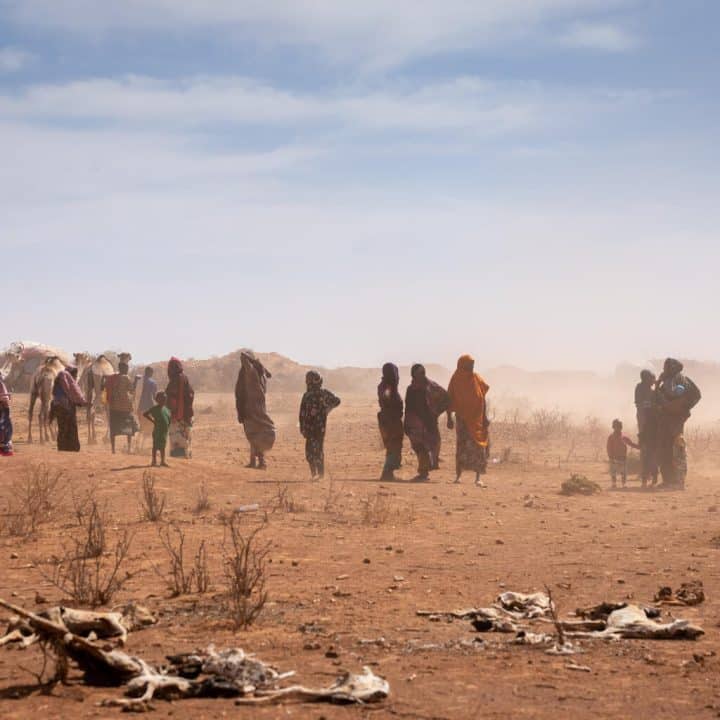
column 672, row 367
column 66, row 391
column 313, row 380
column 390, row 375
column 249, row 357
column 467, row 392
column 418, row 375
column 391, row 403
column 175, row 367
column 179, row 393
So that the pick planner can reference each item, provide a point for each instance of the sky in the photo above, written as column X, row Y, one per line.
column 532, row 181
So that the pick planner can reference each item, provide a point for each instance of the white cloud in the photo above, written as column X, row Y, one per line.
column 472, row 106
column 12, row 59
column 599, row 36
column 375, row 33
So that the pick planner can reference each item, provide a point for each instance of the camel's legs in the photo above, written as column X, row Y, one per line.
column 31, row 412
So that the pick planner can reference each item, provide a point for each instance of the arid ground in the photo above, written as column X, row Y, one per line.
column 353, row 559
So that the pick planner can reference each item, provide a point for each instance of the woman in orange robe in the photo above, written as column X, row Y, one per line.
column 467, row 391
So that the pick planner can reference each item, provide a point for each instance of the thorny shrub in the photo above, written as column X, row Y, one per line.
column 181, row 580
column 244, row 561
column 152, row 503
column 89, row 580
column 32, row 501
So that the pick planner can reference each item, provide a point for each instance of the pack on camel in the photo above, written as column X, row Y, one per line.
column 92, row 374
column 41, row 387
column 20, row 362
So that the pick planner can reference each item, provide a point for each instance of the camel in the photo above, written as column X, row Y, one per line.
column 19, row 363
column 92, row 374
column 41, row 387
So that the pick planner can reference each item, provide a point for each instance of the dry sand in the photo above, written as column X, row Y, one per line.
column 442, row 546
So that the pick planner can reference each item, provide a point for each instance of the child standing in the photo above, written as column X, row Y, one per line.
column 6, row 428
column 160, row 417
column 617, row 445
column 314, row 408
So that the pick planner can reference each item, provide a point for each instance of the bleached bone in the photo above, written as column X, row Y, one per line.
column 103, row 625
column 522, row 606
column 349, row 688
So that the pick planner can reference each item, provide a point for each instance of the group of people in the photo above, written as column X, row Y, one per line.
column 167, row 414
column 663, row 407
column 417, row 417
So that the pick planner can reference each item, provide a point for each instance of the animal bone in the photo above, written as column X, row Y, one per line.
column 349, row 688
column 84, row 623
column 522, row 606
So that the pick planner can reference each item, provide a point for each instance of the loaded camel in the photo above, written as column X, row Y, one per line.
column 92, row 374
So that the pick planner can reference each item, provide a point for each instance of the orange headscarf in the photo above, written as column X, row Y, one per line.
column 467, row 392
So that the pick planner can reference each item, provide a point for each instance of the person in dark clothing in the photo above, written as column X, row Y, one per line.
column 315, row 406
column 646, row 406
column 676, row 395
column 425, row 401
column 66, row 398
column 390, row 420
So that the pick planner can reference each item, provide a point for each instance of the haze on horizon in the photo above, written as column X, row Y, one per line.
column 535, row 183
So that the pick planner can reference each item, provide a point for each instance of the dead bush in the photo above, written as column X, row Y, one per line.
column 284, row 501
column 152, row 503
column 91, row 515
column 545, row 423
column 31, row 501
column 87, row 580
column 332, row 503
column 244, row 558
column 180, row 580
column 202, row 500
column 375, row 508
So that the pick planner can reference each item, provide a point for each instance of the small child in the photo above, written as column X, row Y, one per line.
column 6, row 428
column 160, row 417
column 617, row 445
column 314, row 408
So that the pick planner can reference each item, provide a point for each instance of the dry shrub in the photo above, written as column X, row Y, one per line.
column 202, row 500
column 92, row 517
column 545, row 423
column 180, row 580
column 332, row 503
column 92, row 580
column 284, row 501
column 32, row 501
column 152, row 503
column 244, row 559
column 379, row 508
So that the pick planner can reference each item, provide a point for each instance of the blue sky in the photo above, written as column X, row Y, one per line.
column 533, row 181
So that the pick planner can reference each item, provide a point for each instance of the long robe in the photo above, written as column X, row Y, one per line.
column 250, row 392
